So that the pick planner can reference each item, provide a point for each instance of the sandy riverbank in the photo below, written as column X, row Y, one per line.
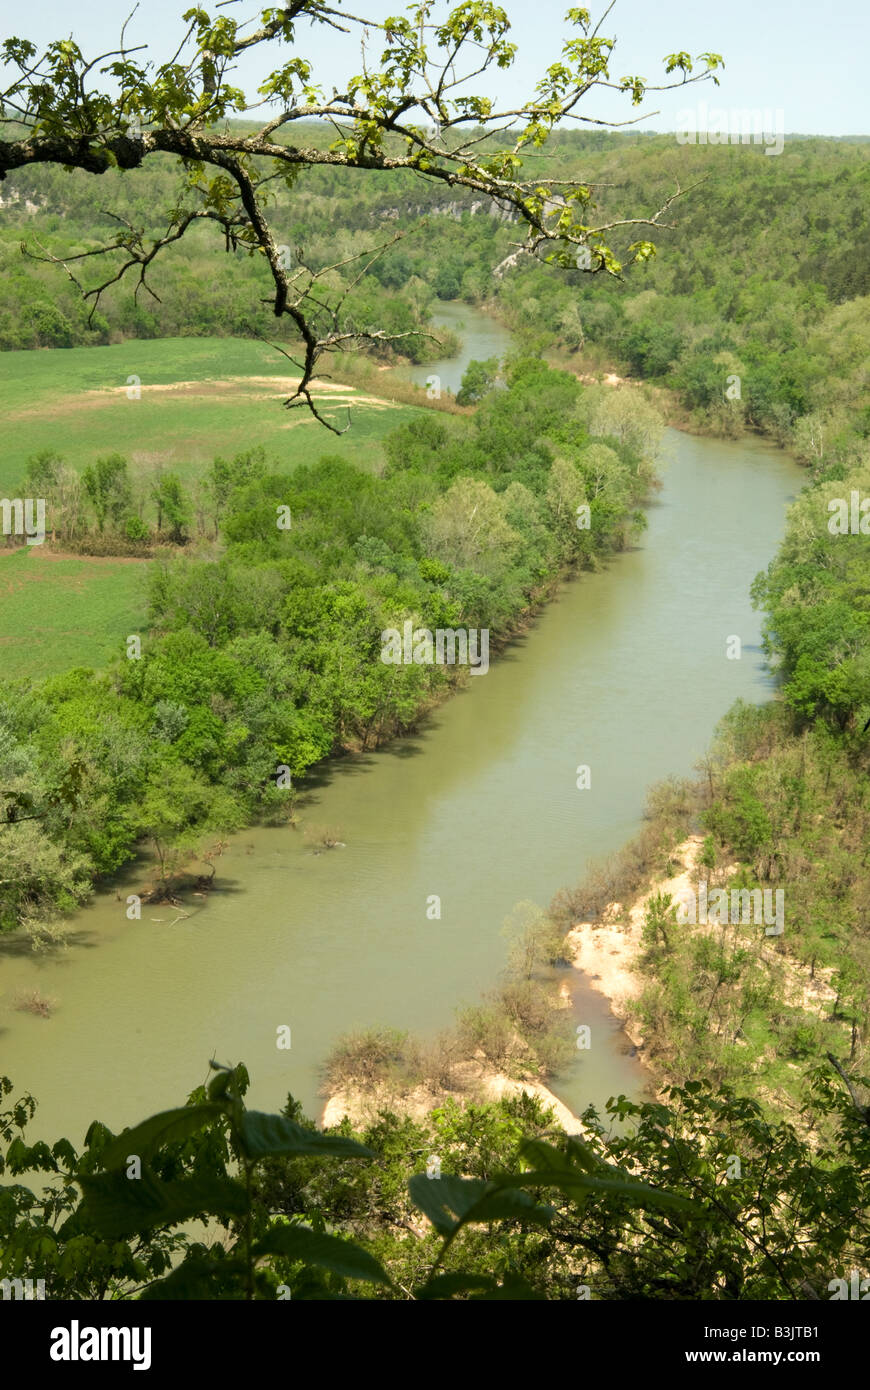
column 606, row 951
column 476, row 1083
column 607, row 954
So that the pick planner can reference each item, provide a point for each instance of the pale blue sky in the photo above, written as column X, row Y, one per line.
column 805, row 59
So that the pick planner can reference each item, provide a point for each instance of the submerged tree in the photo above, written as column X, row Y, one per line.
column 408, row 108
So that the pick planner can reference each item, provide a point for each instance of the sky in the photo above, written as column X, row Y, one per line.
column 803, row 59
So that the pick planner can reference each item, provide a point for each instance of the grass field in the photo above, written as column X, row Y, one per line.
column 59, row 611
column 198, row 397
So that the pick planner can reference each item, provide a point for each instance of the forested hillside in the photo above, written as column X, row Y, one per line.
column 754, row 309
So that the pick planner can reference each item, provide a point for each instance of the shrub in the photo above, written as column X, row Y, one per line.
column 370, row 1058
column 486, row 1028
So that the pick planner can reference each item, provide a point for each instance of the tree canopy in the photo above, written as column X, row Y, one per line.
column 409, row 108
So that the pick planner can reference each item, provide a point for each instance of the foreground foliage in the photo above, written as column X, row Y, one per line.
column 694, row 1198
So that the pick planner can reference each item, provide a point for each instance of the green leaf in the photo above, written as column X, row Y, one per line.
column 116, row 1206
column 193, row 1279
column 546, row 1156
column 168, row 1127
column 445, row 1200
column 327, row 1252
column 641, row 1195
column 273, row 1134
column 217, row 1087
column 451, row 1202
column 571, row 1181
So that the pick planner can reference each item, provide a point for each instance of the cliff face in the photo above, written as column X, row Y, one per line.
column 490, row 207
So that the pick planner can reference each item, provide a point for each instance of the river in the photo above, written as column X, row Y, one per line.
column 481, row 335
column 625, row 671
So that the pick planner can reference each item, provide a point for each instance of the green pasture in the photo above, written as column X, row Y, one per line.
column 198, row 398
column 57, row 612
column 218, row 396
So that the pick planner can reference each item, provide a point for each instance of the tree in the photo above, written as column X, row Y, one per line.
column 625, row 416
column 107, row 488
column 178, row 807
column 468, row 528
column 566, row 492
column 448, row 281
column 224, row 476
column 478, row 379
column 533, row 940
column 659, row 920
column 42, row 473
column 37, row 876
column 571, row 326
column 59, row 111
column 173, row 507
column 49, row 477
